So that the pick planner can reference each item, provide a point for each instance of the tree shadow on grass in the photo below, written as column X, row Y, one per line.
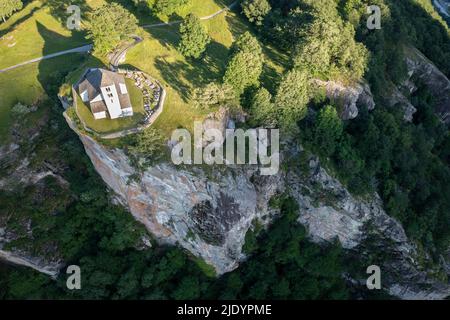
column 18, row 22
column 215, row 59
column 143, row 13
column 52, row 72
column 226, row 3
column 167, row 36
column 183, row 76
column 237, row 24
column 172, row 74
column 270, row 77
column 186, row 73
column 175, row 18
column 58, row 8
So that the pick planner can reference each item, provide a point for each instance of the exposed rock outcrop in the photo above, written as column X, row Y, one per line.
column 16, row 171
column 329, row 211
column 208, row 215
column 50, row 268
column 46, row 265
column 348, row 98
column 208, row 212
column 422, row 71
column 398, row 100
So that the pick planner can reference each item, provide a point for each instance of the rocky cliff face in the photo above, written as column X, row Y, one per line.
column 208, row 212
column 348, row 98
column 398, row 99
column 422, row 71
column 23, row 259
column 17, row 171
column 329, row 211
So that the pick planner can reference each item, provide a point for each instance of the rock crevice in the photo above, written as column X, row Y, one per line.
column 209, row 214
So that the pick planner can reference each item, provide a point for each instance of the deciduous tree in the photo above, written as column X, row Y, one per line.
column 246, row 64
column 214, row 94
column 168, row 7
column 256, row 10
column 8, row 7
column 328, row 131
column 262, row 107
column 292, row 96
column 194, row 37
column 109, row 25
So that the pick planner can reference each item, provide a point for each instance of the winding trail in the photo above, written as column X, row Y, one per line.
column 120, row 54
column 88, row 47
column 85, row 48
column 209, row 17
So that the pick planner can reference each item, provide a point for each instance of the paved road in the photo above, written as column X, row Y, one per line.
column 116, row 57
column 87, row 48
column 211, row 16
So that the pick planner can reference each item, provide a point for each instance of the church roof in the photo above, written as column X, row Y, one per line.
column 98, row 78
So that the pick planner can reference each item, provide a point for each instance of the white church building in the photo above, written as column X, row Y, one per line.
column 106, row 93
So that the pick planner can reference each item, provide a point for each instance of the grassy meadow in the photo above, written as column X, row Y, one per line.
column 38, row 30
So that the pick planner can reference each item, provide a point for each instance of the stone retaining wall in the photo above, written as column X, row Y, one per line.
column 123, row 133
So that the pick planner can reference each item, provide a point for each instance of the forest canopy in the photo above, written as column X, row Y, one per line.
column 406, row 163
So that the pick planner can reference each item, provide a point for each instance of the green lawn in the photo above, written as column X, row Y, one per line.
column 37, row 32
column 157, row 56
column 199, row 7
column 31, row 33
column 109, row 126
column 25, row 85
column 34, row 32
